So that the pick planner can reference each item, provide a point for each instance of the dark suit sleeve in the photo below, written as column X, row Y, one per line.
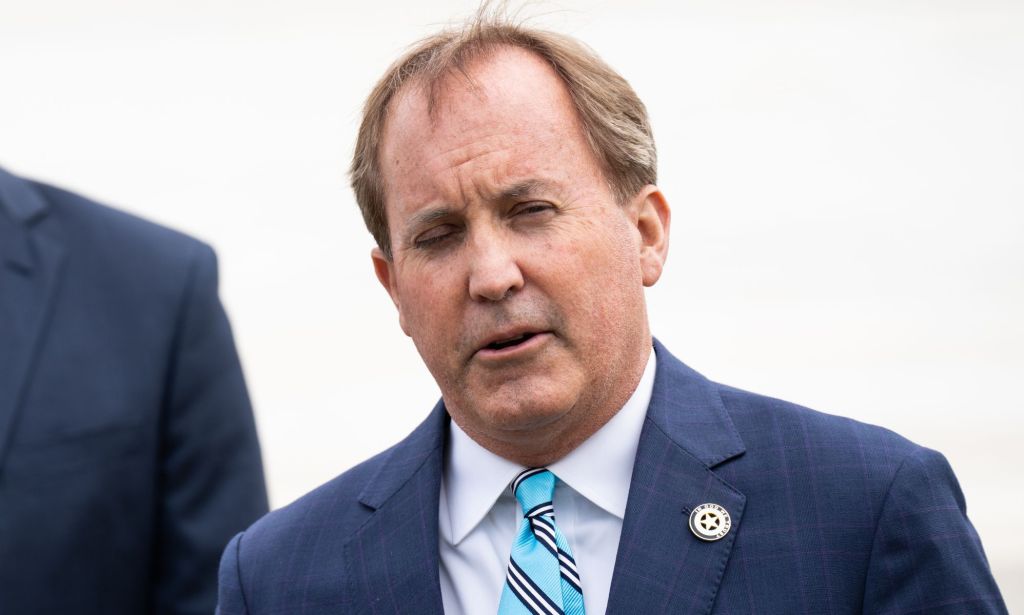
column 927, row 557
column 211, row 476
column 231, row 598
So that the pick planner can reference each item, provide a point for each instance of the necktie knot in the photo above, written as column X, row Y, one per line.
column 535, row 489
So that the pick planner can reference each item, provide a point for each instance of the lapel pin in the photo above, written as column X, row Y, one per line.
column 710, row 522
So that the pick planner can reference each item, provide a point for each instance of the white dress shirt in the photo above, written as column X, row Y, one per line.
column 479, row 518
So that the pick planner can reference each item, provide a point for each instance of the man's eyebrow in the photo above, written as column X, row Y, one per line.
column 423, row 218
column 524, row 189
column 527, row 188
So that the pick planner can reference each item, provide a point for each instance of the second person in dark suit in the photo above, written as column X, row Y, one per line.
column 128, row 450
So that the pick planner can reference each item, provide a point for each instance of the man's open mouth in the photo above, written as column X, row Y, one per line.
column 509, row 342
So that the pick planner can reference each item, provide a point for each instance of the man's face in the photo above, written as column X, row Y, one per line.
column 515, row 271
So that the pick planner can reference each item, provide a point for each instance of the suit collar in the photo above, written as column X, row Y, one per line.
column 31, row 262
column 20, row 199
column 406, row 460
column 20, row 206
column 660, row 565
column 689, row 410
column 398, row 545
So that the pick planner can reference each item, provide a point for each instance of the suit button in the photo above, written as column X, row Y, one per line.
column 710, row 522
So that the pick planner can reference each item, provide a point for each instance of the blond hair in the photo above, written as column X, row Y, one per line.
column 613, row 118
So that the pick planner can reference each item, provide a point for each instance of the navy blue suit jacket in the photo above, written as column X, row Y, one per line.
column 828, row 516
column 128, row 453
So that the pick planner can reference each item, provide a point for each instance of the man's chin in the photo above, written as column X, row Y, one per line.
column 522, row 415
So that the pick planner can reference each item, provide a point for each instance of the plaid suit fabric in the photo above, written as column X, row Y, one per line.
column 843, row 517
column 828, row 516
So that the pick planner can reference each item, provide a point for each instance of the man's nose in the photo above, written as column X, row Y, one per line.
column 494, row 272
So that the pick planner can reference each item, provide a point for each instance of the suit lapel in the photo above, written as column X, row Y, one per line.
column 30, row 266
column 393, row 559
column 661, row 567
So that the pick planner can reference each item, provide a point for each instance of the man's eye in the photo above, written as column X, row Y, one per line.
column 533, row 207
column 435, row 235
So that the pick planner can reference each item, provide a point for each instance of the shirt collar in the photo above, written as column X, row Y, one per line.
column 599, row 469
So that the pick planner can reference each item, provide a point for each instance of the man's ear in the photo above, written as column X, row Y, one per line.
column 384, row 267
column 652, row 217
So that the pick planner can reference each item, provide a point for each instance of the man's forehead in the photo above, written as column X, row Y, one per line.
column 511, row 100
column 505, row 75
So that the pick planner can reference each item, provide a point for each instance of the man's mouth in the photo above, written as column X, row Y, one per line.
column 509, row 342
column 512, row 344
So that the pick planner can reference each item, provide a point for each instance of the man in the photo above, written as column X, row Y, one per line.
column 128, row 452
column 508, row 177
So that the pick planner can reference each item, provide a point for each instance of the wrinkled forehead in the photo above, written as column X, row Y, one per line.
column 511, row 101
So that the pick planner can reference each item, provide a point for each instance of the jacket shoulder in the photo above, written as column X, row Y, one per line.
column 892, row 508
column 82, row 220
column 802, row 459
column 125, row 259
column 769, row 423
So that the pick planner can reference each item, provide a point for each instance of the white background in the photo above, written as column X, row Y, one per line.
column 846, row 179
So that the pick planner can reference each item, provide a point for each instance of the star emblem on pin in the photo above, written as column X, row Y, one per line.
column 710, row 522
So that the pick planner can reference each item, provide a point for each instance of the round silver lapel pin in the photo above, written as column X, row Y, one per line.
column 710, row 522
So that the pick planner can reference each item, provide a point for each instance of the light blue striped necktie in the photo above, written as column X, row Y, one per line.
column 542, row 577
